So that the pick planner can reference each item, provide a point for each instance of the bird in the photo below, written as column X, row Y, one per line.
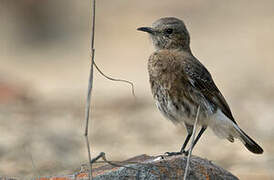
column 181, row 85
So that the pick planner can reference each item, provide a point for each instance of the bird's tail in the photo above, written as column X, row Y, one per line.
column 249, row 143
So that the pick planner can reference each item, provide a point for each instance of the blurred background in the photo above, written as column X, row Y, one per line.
column 44, row 67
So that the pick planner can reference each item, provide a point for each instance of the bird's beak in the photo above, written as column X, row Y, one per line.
column 146, row 29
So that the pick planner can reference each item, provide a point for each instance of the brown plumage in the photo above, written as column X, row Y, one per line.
column 180, row 84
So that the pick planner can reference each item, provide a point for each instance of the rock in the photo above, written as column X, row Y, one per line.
column 163, row 167
column 144, row 167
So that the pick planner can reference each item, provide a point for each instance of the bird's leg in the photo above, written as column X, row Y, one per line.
column 185, row 143
column 182, row 151
column 196, row 139
column 189, row 129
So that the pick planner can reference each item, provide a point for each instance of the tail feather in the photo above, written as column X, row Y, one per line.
column 249, row 143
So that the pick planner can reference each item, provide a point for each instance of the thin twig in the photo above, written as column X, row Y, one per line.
column 114, row 79
column 90, row 82
column 94, row 160
column 89, row 157
column 192, row 143
column 116, row 165
column 90, row 85
column 120, row 163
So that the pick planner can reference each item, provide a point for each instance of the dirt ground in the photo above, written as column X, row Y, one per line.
column 44, row 67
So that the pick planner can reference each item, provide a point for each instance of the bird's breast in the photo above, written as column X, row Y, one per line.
column 175, row 97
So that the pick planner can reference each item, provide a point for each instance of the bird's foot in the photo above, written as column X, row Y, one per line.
column 177, row 153
column 186, row 153
column 173, row 153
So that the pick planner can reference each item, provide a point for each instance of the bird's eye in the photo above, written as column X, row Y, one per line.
column 168, row 31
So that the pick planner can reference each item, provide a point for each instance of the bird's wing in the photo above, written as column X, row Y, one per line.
column 200, row 78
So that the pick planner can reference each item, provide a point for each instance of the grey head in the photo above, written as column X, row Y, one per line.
column 168, row 33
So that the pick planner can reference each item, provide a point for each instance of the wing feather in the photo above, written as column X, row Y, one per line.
column 199, row 77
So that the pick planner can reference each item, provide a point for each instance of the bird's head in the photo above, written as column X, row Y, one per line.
column 168, row 33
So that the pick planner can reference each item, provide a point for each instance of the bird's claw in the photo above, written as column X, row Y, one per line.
column 173, row 153
column 177, row 153
column 185, row 153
